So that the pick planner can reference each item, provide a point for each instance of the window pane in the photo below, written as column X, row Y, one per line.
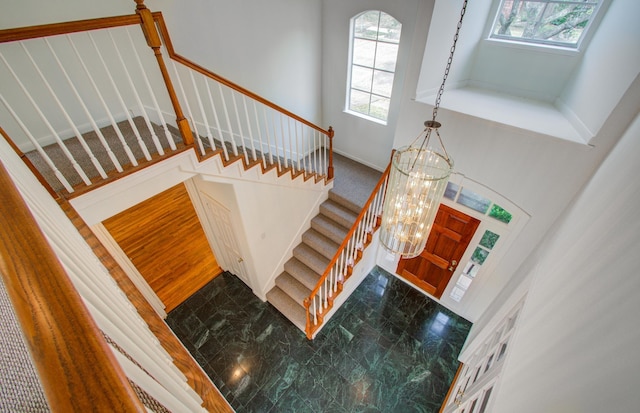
column 379, row 107
column 361, row 78
column 474, row 201
column 364, row 52
column 544, row 21
column 480, row 255
column 451, row 191
column 366, row 25
column 485, row 401
column 386, row 55
column 359, row 102
column 390, row 29
column 382, row 83
column 500, row 214
column 489, row 239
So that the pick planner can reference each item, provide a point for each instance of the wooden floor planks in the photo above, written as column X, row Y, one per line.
column 163, row 238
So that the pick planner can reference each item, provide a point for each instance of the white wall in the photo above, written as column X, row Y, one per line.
column 575, row 349
column 271, row 48
column 368, row 142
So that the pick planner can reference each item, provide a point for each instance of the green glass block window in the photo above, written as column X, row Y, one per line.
column 480, row 255
column 489, row 239
column 500, row 214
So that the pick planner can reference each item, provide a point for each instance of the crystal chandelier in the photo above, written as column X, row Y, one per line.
column 417, row 181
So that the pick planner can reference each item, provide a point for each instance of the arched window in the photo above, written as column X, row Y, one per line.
column 375, row 37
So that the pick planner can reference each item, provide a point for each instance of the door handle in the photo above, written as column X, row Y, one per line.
column 452, row 265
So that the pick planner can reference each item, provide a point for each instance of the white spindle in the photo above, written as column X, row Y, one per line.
column 55, row 135
column 215, row 118
column 123, row 105
column 89, row 75
column 266, row 132
column 255, row 112
column 188, row 106
column 275, row 139
column 284, row 144
column 152, row 94
column 136, row 95
column 95, row 127
column 298, row 146
column 315, row 311
column 66, row 115
column 326, row 293
column 249, row 130
column 196, row 90
column 36, row 144
column 226, row 116
column 290, row 141
column 241, row 133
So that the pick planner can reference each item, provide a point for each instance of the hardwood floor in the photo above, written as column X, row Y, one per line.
column 163, row 238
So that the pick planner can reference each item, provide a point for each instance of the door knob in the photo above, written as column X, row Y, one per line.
column 452, row 265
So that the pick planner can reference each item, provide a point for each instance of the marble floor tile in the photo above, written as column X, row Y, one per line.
column 388, row 349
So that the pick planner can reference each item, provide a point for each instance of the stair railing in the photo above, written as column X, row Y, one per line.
column 239, row 124
column 76, row 367
column 330, row 284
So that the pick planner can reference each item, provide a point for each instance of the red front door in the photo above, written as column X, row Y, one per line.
column 450, row 235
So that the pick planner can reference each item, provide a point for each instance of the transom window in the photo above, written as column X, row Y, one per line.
column 552, row 22
column 375, row 37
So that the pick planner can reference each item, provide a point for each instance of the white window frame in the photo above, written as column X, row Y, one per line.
column 542, row 44
column 351, row 64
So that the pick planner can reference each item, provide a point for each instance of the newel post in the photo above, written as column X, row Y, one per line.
column 330, row 167
column 153, row 41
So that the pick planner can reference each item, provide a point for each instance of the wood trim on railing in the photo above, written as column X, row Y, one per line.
column 443, row 406
column 197, row 378
column 77, row 369
column 32, row 32
column 181, row 59
column 336, row 257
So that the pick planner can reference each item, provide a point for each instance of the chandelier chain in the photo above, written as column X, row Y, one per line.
column 446, row 70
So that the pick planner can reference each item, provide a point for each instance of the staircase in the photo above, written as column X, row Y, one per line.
column 312, row 257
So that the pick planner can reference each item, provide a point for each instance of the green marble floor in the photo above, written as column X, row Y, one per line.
column 388, row 349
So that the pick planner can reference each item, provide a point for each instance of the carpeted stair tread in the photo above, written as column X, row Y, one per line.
column 343, row 201
column 288, row 307
column 329, row 228
column 293, row 288
column 338, row 213
column 302, row 273
column 312, row 259
column 320, row 243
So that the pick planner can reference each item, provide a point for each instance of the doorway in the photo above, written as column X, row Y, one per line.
column 163, row 238
column 450, row 235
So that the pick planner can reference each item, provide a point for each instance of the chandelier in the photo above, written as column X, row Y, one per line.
column 417, row 181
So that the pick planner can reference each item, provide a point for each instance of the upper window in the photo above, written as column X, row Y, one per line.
column 553, row 22
column 375, row 37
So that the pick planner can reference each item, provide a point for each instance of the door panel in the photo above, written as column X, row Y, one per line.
column 450, row 235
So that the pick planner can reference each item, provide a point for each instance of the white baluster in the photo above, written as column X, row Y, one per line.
column 95, row 127
column 156, row 106
column 125, row 109
column 226, row 115
column 216, row 120
column 284, row 144
column 289, row 140
column 70, row 121
column 188, row 106
column 136, row 95
column 326, row 293
column 249, row 130
column 255, row 112
column 244, row 145
column 88, row 73
column 55, row 135
column 202, row 111
column 315, row 311
column 36, row 144
column 297, row 142
column 266, row 132
column 275, row 139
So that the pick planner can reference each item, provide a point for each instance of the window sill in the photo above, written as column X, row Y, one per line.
column 535, row 116
column 363, row 116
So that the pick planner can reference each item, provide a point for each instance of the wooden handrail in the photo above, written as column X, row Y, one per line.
column 78, row 371
column 32, row 32
column 336, row 257
column 181, row 59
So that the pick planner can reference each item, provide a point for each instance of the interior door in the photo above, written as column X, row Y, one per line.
column 220, row 219
column 450, row 235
